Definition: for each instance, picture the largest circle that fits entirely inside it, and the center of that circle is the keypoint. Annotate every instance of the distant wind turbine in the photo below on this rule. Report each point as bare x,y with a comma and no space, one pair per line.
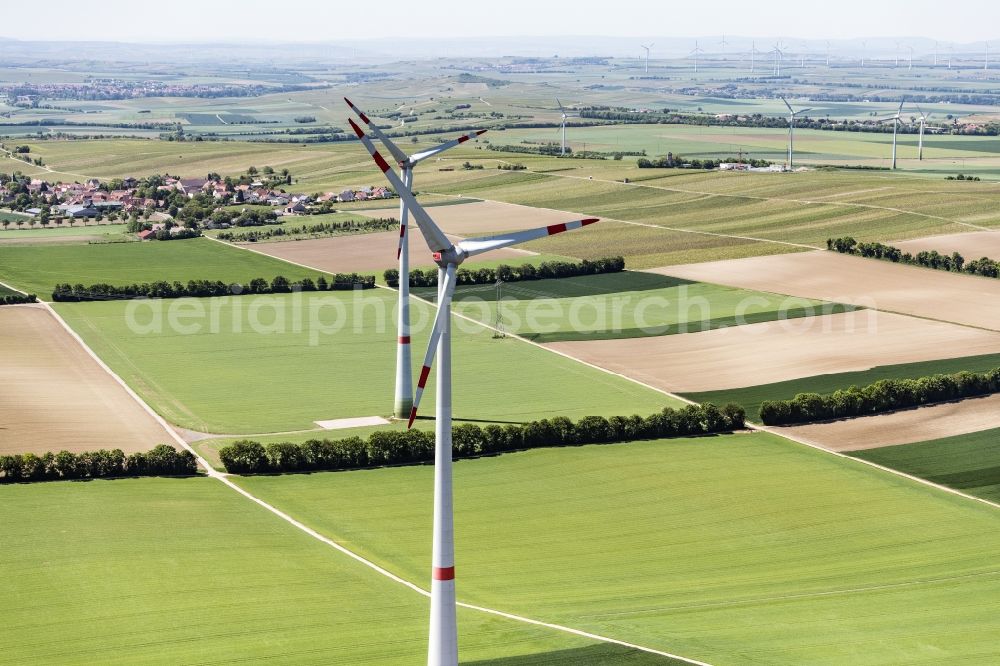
896,120
924,117
791,131
909,65
753,54
565,115
986,65
864,48
723,44
651,44
828,53
897,55
936,54
777,58
695,52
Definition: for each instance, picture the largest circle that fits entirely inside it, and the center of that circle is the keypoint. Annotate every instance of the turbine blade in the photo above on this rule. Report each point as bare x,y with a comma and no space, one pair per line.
559,104
788,105
474,246
803,110
448,288
418,157
436,240
393,149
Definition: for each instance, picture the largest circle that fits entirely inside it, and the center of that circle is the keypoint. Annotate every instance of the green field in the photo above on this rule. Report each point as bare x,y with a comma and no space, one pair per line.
629,304
38,268
169,571
752,396
70,233
739,549
970,463
280,362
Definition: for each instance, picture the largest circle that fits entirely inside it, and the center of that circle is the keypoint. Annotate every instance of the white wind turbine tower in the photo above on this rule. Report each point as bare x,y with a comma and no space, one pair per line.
695,52
936,45
828,53
864,49
443,635
651,44
753,55
909,62
564,116
791,131
403,400
723,44
777,59
896,120
986,65
924,117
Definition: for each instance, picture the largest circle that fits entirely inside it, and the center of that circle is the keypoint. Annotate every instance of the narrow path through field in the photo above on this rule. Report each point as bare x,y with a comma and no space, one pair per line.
220,119
224,479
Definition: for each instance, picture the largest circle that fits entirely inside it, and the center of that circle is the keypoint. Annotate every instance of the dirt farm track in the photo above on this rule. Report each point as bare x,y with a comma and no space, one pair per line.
54,396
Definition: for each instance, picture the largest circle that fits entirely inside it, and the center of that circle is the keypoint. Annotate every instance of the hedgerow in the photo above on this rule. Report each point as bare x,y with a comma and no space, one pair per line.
545,270
393,447
954,262
885,395
205,288
162,460
17,299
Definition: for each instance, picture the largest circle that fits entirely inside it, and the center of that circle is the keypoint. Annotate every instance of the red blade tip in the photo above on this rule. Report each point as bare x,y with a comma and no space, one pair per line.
590,220
481,132
354,126
413,415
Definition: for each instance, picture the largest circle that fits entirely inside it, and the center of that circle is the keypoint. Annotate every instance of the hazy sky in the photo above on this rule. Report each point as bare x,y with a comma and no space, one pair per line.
336,20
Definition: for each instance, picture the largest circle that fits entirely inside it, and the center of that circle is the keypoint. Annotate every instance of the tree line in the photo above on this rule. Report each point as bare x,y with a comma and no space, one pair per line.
672,161
544,271
17,299
885,395
162,460
395,447
322,228
953,262
66,292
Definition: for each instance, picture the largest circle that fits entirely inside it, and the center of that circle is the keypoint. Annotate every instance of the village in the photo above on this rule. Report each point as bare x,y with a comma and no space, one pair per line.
158,203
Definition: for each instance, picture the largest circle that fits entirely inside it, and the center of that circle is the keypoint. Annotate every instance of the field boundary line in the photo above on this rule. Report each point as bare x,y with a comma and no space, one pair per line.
224,478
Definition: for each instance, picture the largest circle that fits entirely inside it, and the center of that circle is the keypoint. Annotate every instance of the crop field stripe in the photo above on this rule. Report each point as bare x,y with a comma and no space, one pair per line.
675,396
222,477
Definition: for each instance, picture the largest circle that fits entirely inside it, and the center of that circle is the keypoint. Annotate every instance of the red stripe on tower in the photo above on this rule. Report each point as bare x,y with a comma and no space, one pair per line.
424,372
444,573
404,339
402,230
556,228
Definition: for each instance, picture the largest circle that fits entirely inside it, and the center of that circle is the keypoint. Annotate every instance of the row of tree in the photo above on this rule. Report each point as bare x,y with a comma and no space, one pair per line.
954,262
162,460
17,299
359,226
208,288
885,395
671,161
395,447
544,271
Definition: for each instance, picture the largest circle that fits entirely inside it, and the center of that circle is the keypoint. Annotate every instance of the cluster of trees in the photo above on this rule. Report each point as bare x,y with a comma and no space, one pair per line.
954,262
545,270
672,161
506,166
885,395
17,299
962,176
394,447
323,228
206,288
162,460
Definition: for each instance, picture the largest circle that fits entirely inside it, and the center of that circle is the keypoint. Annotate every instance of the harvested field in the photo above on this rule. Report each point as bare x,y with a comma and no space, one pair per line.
902,427
364,253
972,245
56,397
962,299
781,350
483,217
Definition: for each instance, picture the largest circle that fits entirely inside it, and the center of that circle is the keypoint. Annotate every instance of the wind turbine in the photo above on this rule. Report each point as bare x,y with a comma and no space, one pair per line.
909,65
651,44
924,117
896,66
724,44
777,59
695,53
936,54
565,115
986,65
896,120
753,54
403,400
791,130
864,49
828,53
443,635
